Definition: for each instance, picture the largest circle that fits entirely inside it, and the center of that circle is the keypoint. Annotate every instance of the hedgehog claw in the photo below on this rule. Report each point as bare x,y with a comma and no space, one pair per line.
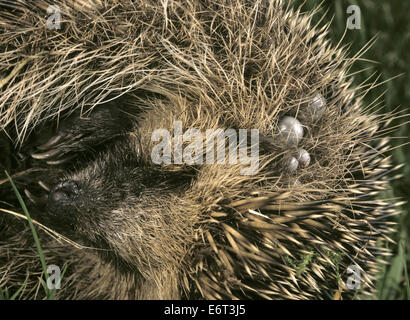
29,196
60,161
43,185
52,142
34,199
55,155
46,155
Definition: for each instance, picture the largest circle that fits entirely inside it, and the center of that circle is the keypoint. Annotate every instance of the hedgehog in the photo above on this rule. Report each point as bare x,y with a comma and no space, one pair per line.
85,87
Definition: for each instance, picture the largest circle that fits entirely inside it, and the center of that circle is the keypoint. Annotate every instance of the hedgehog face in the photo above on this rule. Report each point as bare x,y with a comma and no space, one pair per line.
118,203
87,196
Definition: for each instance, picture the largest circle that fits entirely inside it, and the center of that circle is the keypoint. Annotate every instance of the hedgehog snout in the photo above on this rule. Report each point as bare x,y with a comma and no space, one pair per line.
63,195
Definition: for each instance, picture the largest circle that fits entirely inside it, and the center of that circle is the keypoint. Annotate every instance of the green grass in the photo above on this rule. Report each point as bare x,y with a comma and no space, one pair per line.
4,292
389,20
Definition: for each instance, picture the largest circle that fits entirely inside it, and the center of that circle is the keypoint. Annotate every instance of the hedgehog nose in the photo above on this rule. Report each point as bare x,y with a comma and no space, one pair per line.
64,193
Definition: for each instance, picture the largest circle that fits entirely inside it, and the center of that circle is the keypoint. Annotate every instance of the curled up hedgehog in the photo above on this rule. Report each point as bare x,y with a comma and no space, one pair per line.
103,108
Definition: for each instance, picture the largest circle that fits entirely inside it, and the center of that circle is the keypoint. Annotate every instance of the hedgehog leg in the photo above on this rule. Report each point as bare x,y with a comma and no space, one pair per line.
79,135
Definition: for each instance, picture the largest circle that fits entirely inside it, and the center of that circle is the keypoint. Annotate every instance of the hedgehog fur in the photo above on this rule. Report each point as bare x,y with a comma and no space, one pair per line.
212,233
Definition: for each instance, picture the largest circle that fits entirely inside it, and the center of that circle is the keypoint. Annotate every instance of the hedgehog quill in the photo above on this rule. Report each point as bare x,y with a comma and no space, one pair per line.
79,105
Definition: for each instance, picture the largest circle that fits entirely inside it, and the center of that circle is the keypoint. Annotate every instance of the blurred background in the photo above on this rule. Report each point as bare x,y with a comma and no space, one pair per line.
389,21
